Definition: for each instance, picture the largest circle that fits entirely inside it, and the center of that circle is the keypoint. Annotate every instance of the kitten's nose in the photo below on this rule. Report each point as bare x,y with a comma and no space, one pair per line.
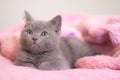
34,39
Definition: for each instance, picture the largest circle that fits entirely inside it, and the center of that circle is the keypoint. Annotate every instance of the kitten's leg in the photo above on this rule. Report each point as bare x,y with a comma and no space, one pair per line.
22,63
54,65
24,59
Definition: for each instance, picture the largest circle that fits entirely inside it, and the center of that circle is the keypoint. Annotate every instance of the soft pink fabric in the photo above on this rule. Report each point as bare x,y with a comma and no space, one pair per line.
99,62
94,30
11,30
103,32
9,46
114,33
11,72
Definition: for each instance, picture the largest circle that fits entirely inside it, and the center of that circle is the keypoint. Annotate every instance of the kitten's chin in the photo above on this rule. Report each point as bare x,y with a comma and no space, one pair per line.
34,48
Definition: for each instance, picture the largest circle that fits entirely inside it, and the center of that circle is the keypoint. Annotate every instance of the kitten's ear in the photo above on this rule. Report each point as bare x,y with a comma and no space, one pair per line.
28,17
57,22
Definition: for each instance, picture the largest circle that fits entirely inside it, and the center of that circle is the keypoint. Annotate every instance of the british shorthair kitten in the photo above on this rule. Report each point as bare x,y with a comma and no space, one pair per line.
43,48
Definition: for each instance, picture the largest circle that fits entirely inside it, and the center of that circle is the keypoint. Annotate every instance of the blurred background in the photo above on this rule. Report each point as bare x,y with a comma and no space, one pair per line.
12,11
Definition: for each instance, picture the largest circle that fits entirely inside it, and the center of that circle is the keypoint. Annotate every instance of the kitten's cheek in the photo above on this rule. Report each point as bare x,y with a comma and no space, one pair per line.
10,46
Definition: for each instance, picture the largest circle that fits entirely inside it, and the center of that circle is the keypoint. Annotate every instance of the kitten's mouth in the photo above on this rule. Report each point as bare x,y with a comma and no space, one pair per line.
34,42
34,45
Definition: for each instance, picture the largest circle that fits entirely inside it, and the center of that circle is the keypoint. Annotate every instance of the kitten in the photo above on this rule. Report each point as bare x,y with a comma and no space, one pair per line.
43,48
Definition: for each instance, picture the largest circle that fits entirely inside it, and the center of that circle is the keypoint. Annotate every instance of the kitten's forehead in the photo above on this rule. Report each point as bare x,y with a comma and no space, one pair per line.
39,25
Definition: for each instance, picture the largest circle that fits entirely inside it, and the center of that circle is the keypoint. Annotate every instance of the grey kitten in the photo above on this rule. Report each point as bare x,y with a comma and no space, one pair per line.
43,48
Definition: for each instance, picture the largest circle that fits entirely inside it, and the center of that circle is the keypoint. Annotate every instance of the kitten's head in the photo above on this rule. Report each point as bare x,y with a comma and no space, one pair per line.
39,36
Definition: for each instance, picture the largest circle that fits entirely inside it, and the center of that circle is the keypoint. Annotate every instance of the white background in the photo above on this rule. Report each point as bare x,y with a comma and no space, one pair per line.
12,11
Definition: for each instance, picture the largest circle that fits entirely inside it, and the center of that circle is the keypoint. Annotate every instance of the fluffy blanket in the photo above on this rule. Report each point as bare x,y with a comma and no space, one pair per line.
101,32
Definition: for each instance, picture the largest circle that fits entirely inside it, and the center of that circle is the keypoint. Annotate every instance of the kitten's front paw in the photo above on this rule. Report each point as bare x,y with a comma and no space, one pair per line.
53,66
46,66
19,63
43,66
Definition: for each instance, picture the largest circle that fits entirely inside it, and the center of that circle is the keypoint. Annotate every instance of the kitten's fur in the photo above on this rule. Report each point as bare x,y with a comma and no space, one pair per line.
43,48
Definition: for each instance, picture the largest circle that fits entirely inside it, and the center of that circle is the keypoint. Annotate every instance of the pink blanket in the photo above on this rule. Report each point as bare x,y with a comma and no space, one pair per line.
101,32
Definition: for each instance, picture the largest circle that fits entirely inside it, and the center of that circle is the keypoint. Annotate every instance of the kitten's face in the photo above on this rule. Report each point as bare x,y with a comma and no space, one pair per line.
39,36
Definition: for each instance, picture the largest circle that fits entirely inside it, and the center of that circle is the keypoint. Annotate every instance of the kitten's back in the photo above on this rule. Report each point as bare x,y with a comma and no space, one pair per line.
74,49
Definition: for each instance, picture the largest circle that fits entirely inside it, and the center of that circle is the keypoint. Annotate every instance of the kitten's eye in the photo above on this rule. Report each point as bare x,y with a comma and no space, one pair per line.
44,33
29,31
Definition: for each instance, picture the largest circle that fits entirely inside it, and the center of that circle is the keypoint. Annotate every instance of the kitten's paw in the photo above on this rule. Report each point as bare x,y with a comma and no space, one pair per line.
53,66
45,66
20,63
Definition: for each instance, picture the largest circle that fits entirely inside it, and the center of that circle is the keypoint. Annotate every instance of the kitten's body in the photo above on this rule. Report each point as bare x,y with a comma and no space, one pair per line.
42,47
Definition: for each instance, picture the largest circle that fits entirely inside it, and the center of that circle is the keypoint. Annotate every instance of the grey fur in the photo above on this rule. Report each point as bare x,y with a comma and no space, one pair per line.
43,48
